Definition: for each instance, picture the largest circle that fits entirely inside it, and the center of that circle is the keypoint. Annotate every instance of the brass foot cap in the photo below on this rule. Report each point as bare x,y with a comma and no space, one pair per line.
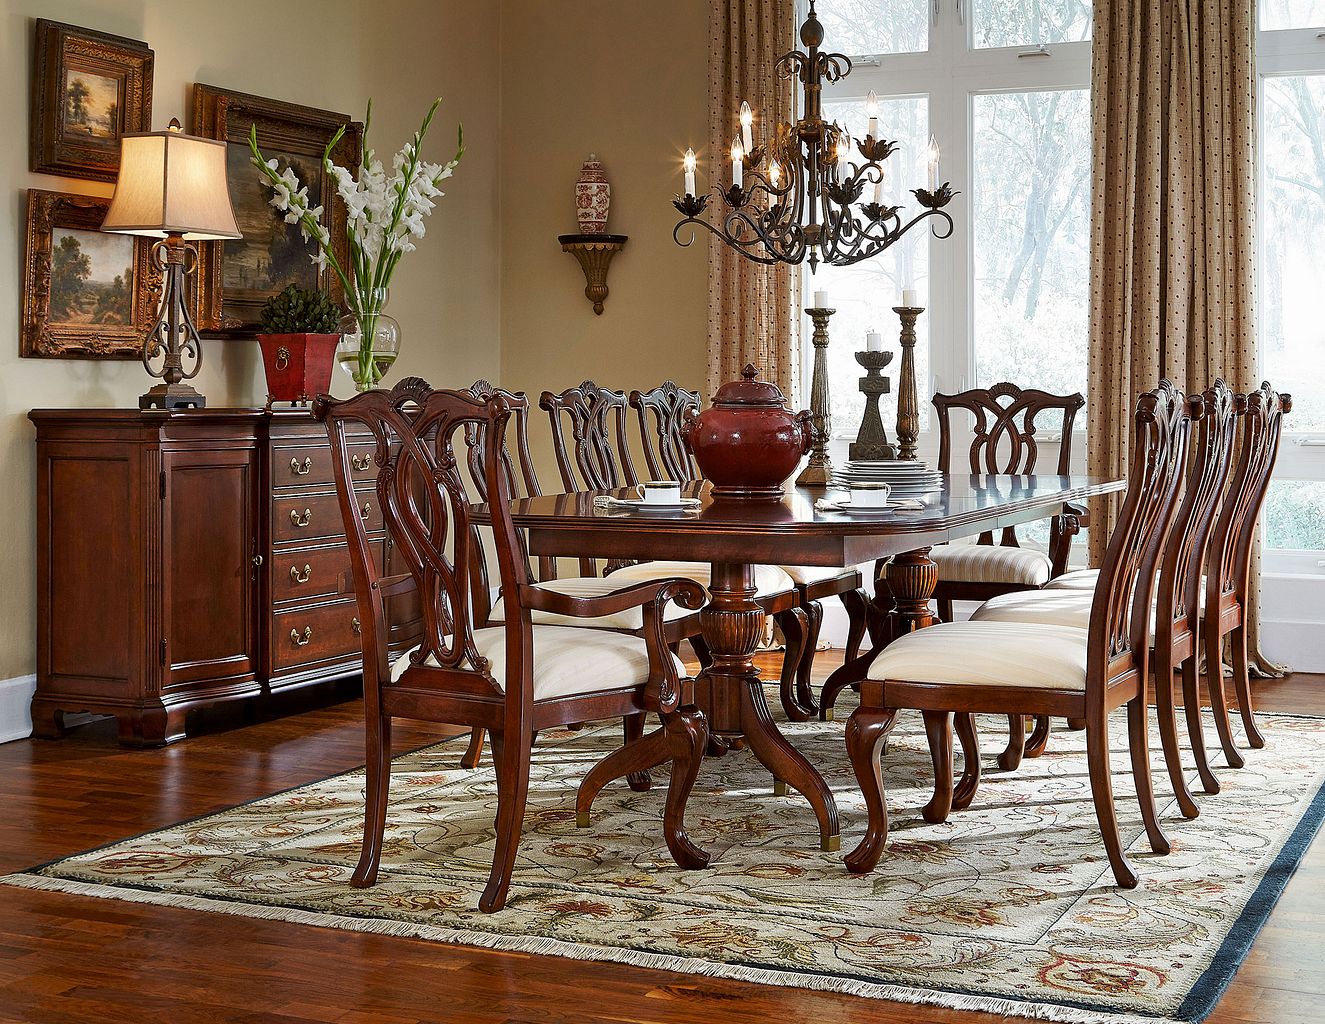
830,844
581,819
827,716
779,788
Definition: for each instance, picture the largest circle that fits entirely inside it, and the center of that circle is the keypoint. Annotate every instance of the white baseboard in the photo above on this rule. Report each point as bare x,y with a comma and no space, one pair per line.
16,707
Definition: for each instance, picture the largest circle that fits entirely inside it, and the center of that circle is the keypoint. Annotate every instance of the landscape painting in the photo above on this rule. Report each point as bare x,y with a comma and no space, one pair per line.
91,277
91,104
272,254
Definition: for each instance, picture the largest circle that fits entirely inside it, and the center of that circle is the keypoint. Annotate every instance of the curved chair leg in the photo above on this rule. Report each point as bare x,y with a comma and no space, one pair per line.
648,752
1237,641
1191,708
632,728
702,653
1101,791
1214,684
687,738
938,730
969,737
377,786
1168,731
866,730
814,616
856,602
793,623
1010,758
1076,724
512,794
945,608
473,754
1038,740
1138,743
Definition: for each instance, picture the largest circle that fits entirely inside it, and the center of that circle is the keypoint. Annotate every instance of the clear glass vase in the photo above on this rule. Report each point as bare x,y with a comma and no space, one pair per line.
369,343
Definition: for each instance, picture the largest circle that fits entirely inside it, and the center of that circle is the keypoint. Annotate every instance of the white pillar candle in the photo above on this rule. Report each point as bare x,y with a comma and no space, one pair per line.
747,119
690,172
821,299
874,342
738,160
909,298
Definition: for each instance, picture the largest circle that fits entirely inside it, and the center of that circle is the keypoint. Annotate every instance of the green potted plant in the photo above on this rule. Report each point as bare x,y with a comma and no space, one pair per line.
298,342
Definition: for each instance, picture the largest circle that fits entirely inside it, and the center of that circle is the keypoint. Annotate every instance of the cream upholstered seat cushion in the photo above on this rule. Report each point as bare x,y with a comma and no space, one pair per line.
769,579
1047,607
808,575
986,563
589,586
567,661
1078,579
988,654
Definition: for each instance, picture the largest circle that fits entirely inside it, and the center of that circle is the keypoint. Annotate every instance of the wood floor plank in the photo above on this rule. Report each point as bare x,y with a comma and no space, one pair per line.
71,959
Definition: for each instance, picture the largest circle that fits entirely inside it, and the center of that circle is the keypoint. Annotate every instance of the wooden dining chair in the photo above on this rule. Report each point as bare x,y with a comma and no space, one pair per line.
522,478
590,439
1228,565
1004,420
513,679
661,412
1179,596
1018,668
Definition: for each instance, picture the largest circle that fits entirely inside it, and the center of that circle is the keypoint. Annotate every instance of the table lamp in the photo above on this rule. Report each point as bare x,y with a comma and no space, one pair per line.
172,186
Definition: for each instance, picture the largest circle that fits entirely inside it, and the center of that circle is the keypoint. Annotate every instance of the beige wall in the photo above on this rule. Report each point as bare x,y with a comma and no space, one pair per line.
402,52
625,79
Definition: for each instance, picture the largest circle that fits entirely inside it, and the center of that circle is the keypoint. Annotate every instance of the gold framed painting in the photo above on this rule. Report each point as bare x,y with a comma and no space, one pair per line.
88,89
235,278
87,294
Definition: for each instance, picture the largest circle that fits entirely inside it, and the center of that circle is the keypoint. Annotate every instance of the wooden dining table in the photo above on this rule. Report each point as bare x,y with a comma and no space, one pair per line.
736,536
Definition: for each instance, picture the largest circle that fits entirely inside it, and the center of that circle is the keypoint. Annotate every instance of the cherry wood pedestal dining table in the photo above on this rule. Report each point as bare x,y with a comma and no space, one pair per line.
735,536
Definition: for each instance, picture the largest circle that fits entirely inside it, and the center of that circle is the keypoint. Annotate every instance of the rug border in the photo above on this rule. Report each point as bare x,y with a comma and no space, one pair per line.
1196,1006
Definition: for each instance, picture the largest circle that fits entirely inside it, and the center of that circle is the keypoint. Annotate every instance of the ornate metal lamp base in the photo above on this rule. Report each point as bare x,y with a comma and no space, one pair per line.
172,396
871,443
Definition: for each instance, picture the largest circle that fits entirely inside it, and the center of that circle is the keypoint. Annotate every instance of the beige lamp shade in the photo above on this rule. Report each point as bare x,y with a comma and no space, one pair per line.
171,183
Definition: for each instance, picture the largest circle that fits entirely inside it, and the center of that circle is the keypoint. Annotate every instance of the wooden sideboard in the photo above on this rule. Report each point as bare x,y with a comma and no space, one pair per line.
190,557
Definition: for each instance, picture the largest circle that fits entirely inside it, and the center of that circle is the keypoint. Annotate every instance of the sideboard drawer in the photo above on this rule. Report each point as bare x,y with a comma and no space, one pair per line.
324,632
302,466
313,573
310,517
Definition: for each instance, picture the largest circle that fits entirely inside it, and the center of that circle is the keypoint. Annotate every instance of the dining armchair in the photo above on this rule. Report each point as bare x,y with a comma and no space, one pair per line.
1004,419
1032,668
661,413
511,679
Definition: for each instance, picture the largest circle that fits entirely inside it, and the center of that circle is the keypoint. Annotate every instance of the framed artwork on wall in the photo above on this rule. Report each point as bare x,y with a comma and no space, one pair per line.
87,294
236,278
88,89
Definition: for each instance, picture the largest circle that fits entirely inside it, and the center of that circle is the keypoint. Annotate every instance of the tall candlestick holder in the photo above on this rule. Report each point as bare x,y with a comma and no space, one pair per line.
908,404
871,443
819,470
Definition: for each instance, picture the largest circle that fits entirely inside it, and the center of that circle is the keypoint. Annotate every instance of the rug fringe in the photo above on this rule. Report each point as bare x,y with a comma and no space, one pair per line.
544,946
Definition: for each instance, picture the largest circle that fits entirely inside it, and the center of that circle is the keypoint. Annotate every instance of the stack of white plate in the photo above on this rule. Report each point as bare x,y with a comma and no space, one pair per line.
908,479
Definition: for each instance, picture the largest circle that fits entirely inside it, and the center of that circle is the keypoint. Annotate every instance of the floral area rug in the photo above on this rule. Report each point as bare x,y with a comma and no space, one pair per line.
1009,907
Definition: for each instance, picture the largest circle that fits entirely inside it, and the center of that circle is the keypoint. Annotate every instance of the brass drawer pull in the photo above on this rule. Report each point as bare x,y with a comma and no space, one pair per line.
301,521
366,510
301,470
357,626
298,577
301,640
360,462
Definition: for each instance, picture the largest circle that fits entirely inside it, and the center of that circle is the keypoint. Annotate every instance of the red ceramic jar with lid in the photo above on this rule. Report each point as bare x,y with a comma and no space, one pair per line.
748,441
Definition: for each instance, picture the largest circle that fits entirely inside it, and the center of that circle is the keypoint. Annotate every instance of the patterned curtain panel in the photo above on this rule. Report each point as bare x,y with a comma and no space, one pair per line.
1173,92
750,305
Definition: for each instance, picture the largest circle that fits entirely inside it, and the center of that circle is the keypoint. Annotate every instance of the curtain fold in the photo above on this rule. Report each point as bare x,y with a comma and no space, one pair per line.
1173,243
750,306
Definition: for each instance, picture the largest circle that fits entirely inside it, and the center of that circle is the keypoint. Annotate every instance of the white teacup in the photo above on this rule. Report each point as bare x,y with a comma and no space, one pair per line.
870,494
659,492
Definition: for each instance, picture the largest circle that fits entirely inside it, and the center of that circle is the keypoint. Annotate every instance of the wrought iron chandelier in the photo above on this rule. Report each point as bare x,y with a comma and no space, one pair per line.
797,197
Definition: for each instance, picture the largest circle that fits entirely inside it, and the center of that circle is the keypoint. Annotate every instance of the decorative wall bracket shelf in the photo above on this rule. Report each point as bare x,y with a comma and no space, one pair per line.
595,254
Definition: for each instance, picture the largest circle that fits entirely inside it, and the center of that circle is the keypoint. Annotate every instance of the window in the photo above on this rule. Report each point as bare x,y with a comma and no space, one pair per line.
1289,14
1006,295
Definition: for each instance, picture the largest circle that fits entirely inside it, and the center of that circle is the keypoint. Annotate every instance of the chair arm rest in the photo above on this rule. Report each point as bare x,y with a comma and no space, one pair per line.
685,592
1077,511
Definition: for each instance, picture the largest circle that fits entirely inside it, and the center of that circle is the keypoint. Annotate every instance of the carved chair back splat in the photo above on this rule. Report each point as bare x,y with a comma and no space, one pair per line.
661,412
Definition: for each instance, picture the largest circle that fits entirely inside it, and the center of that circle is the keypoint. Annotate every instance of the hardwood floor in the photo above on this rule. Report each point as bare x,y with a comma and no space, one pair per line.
71,959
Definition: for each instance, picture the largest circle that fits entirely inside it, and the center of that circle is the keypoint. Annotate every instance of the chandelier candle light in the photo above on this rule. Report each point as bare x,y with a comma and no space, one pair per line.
385,213
796,196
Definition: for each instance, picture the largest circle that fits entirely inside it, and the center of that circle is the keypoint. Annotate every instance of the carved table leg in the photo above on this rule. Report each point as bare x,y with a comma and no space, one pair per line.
912,578
732,697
